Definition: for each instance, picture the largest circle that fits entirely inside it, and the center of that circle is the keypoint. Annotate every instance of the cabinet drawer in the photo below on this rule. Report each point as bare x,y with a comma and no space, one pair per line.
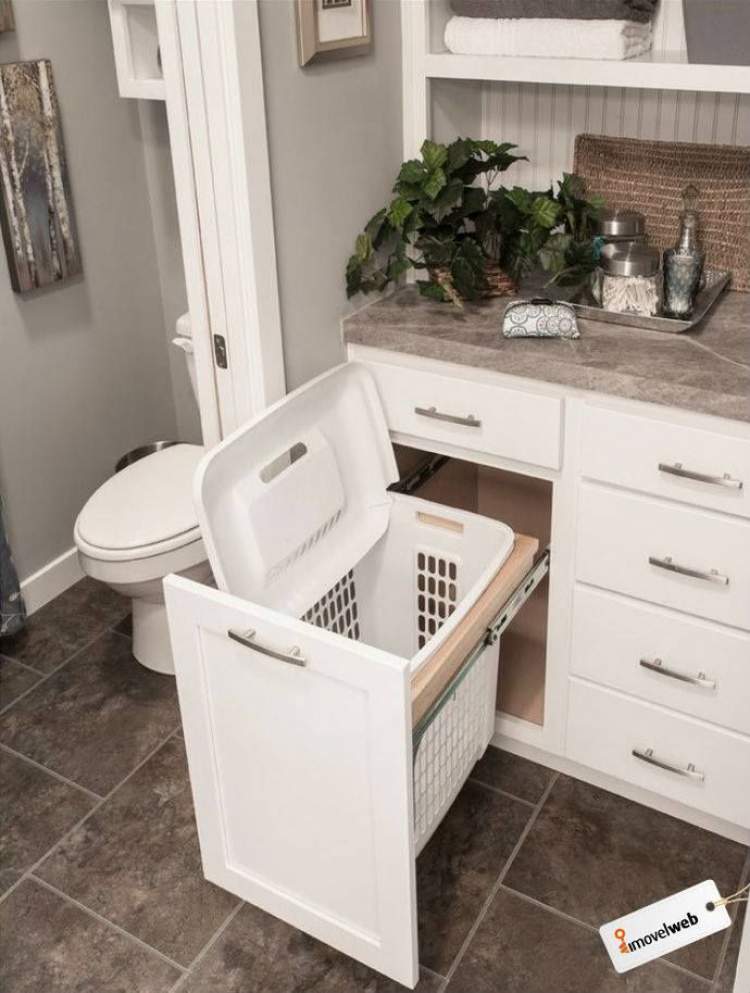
704,671
509,423
665,459
708,767
644,547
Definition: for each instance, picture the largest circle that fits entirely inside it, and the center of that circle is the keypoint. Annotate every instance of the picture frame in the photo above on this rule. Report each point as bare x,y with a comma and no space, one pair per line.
329,29
7,18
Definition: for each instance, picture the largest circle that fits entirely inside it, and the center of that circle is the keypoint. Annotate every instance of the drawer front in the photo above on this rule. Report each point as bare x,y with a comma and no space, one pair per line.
704,669
669,460
709,769
643,547
512,424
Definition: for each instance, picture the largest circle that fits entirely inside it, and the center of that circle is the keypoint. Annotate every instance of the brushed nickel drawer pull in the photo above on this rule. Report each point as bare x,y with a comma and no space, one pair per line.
709,577
677,469
470,421
689,771
656,665
247,638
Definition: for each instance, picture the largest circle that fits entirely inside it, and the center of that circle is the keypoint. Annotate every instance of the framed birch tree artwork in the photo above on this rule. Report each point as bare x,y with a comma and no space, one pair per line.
36,209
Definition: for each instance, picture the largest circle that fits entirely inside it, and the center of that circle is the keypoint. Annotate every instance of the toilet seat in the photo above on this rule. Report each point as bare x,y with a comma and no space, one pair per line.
145,511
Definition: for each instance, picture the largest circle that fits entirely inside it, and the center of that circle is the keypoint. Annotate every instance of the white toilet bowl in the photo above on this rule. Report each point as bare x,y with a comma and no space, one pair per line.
139,527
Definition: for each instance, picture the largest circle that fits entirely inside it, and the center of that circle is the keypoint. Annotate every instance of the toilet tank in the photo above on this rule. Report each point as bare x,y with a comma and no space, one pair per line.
184,340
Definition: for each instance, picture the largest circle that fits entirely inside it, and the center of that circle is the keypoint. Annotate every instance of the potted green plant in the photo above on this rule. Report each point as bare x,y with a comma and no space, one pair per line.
431,225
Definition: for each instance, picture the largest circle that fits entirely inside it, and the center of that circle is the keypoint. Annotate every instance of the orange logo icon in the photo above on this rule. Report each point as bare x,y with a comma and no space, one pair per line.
620,935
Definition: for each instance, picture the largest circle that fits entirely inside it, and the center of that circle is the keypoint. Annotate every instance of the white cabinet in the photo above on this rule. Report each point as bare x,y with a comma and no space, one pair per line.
675,461
301,774
682,662
671,755
445,408
665,553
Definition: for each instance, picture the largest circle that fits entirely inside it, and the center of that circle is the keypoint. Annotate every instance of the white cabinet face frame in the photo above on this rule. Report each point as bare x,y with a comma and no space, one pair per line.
224,204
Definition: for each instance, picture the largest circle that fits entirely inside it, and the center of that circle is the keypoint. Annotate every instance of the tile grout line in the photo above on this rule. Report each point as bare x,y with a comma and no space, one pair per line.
499,792
591,928
51,772
49,675
103,920
498,882
744,879
24,665
120,634
207,948
97,806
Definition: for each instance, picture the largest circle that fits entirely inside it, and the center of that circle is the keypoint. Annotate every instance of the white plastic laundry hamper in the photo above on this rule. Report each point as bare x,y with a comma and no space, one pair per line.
295,677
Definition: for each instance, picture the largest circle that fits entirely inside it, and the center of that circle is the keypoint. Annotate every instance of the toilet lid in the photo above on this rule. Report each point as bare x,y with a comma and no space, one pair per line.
145,504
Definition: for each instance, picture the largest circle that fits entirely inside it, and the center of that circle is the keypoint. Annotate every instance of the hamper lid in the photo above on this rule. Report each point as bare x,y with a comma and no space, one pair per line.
291,501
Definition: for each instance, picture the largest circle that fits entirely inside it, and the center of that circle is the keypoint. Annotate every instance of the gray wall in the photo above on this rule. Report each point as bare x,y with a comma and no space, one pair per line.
84,372
335,140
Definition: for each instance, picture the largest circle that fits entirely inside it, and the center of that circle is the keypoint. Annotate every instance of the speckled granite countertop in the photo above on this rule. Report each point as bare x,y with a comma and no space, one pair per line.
706,370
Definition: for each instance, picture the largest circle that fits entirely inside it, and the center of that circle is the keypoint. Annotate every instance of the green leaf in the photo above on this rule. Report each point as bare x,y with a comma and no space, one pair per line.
449,197
398,211
363,247
435,183
431,290
397,266
353,276
545,212
376,228
412,172
474,200
458,154
434,155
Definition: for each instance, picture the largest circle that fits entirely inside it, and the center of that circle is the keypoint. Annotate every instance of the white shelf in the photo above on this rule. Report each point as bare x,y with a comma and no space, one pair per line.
135,40
656,71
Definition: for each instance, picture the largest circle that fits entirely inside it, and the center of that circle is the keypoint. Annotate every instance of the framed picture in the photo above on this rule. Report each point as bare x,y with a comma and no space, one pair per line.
36,209
332,29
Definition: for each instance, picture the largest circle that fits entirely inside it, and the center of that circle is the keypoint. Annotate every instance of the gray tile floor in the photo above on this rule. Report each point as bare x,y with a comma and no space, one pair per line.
100,882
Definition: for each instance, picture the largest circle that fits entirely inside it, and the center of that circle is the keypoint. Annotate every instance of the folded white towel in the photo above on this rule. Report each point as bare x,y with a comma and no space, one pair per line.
548,38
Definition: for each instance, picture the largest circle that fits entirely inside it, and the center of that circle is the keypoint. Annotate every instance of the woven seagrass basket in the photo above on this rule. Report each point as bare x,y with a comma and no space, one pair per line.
650,176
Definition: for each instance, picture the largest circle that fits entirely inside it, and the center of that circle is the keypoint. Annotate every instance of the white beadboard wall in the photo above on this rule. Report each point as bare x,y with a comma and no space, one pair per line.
544,120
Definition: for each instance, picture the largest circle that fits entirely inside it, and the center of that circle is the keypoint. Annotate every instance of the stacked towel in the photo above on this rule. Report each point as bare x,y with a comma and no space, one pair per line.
551,37
580,10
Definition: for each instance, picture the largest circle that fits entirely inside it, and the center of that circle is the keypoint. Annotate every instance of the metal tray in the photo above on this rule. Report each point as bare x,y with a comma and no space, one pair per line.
715,282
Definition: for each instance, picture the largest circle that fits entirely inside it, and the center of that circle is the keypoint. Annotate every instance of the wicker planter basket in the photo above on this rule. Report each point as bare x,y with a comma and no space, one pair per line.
499,283
650,176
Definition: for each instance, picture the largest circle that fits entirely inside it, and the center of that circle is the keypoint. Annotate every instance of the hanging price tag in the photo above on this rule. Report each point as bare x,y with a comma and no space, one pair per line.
665,926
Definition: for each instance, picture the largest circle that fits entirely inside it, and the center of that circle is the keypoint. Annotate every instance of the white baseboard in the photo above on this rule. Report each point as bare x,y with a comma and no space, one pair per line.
51,580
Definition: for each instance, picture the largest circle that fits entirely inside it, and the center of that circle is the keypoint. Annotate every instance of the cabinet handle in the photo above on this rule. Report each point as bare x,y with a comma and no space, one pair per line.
658,666
689,771
470,421
247,638
709,577
677,469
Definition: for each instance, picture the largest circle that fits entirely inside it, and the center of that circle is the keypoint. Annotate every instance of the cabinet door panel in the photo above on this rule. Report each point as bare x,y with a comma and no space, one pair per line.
301,770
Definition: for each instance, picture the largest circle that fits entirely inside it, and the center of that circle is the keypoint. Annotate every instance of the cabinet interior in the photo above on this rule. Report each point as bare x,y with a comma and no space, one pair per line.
525,504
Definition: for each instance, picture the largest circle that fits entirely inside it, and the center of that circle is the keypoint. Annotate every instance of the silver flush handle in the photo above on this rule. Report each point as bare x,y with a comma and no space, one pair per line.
656,665
678,469
669,565
470,421
689,771
247,638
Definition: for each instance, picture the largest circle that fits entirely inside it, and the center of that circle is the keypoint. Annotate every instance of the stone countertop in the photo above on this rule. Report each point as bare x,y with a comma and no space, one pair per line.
706,370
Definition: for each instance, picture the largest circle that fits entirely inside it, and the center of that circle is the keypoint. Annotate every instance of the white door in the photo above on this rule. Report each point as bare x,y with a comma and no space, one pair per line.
300,755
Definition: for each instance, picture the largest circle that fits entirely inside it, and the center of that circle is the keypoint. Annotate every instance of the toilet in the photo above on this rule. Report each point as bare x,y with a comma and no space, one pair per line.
140,526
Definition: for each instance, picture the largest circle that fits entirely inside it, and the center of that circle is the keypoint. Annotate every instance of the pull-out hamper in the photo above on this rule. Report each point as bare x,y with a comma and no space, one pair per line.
296,677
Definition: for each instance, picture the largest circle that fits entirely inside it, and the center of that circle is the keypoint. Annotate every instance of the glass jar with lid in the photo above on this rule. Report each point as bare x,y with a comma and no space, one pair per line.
629,280
621,227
